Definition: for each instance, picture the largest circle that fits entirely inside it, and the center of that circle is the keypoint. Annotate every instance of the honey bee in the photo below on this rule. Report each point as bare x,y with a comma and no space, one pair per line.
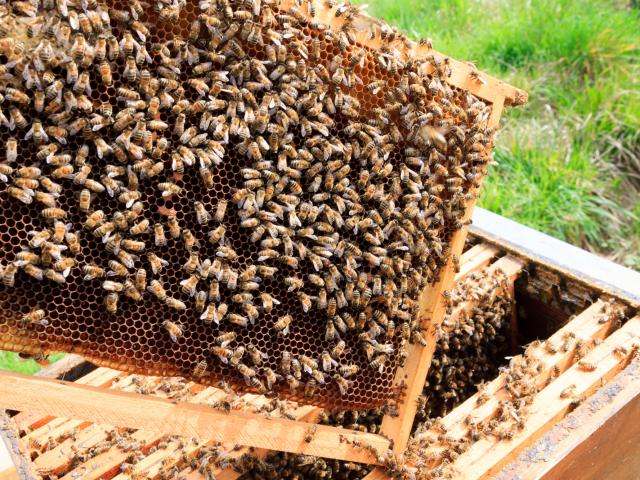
174,330
53,213
257,357
193,262
11,154
23,195
175,304
271,377
64,265
168,189
237,319
111,302
245,371
567,392
310,388
294,283
139,228
189,285
221,209
305,301
587,366
157,263
621,351
104,69
174,227
338,349
283,324
348,370
200,368
156,288
343,384
34,317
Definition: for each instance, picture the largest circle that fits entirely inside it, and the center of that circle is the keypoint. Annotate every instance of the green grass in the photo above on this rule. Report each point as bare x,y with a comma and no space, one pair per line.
11,361
569,160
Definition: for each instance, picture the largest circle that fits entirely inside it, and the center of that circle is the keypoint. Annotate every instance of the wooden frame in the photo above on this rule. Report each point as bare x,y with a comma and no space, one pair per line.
90,403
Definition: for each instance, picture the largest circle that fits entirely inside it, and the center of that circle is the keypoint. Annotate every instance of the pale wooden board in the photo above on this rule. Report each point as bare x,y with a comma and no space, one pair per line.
474,259
580,445
123,409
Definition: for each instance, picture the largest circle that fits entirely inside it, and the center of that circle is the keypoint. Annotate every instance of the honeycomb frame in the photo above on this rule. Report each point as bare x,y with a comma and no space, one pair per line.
133,343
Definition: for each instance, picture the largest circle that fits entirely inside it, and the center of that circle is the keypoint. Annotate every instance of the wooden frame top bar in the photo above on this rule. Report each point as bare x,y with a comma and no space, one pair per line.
463,74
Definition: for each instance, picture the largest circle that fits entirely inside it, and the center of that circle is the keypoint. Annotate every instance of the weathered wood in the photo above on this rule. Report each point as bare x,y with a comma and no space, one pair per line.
486,456
123,409
10,436
581,445
571,262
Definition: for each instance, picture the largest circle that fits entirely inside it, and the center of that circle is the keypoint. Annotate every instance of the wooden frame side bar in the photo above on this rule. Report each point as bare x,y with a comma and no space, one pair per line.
123,409
431,312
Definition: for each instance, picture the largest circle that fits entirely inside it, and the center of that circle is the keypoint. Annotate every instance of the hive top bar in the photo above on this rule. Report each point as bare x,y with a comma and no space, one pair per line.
246,192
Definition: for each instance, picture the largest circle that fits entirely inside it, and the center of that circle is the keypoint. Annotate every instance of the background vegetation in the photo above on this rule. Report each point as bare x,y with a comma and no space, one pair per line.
569,161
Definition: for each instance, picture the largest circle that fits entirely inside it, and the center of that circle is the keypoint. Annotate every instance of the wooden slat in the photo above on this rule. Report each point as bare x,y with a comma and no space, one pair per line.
305,413
485,457
474,259
57,428
150,465
29,420
108,463
163,459
57,460
510,266
124,409
587,325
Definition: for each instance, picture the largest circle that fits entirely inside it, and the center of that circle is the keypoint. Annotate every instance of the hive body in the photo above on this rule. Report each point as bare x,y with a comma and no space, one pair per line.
345,172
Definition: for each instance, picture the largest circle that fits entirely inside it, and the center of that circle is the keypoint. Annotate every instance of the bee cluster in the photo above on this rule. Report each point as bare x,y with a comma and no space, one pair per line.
252,194
470,347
